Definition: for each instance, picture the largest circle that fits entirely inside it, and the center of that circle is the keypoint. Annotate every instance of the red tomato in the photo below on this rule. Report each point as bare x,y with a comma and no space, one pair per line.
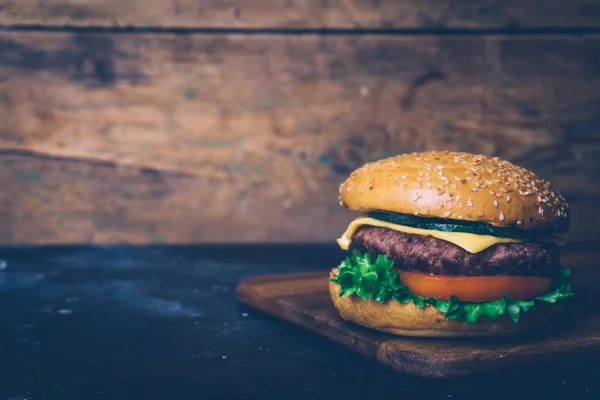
476,288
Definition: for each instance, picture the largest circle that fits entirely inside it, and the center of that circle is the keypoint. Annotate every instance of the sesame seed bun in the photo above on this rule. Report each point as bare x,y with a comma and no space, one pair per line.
410,320
457,186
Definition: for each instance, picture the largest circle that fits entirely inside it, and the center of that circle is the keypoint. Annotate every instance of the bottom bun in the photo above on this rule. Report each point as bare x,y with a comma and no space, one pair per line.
410,320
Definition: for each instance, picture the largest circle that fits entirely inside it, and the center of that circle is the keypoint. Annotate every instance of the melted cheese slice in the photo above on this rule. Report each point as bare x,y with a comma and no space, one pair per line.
469,241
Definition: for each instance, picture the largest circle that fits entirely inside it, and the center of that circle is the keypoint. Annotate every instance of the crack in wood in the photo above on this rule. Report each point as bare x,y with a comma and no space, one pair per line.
92,161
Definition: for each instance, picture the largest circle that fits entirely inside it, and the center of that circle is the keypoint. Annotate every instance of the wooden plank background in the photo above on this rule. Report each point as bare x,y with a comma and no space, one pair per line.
370,14
186,137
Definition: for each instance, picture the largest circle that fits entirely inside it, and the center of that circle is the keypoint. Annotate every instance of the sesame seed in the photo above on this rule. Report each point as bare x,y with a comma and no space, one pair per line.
453,186
441,191
456,178
457,198
508,199
540,199
492,192
480,214
519,222
429,184
474,189
403,176
447,213
397,183
496,203
419,185
416,197
501,216
541,211
362,190
499,195
460,217
341,203
404,187
503,190
444,178
470,203
416,212
440,203
370,186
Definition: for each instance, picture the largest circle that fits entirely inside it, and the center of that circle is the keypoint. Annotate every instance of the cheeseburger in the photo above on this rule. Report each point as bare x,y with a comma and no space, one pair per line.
450,244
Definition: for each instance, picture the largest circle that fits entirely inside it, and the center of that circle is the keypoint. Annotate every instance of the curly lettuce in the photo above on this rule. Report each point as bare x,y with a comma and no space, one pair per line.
365,277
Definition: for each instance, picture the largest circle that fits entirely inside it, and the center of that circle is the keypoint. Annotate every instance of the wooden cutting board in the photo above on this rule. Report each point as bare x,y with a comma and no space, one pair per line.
303,299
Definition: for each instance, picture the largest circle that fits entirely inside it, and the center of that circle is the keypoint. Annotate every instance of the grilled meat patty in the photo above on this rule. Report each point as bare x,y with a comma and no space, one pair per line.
428,254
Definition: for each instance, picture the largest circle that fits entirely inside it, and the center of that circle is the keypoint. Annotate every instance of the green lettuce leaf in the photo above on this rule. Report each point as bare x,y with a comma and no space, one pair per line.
366,285
381,293
362,276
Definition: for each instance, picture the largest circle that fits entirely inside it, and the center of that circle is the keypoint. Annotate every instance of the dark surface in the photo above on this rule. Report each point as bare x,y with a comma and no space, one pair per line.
439,257
163,323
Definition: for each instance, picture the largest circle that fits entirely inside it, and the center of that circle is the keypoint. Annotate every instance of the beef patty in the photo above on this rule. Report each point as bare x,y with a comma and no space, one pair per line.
431,255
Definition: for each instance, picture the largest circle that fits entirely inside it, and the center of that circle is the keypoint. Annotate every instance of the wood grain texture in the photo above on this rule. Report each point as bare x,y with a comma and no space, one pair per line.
279,295
224,138
375,14
302,299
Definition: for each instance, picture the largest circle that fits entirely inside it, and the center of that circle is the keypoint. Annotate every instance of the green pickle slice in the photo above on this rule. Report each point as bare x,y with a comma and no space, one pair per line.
450,225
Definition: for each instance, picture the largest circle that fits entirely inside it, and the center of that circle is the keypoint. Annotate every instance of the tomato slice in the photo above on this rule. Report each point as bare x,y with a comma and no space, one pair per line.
475,288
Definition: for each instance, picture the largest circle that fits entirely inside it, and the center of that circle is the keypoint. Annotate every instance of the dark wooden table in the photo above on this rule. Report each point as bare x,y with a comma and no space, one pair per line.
163,323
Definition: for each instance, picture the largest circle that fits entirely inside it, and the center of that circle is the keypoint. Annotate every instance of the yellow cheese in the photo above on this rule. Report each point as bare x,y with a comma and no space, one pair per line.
469,241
